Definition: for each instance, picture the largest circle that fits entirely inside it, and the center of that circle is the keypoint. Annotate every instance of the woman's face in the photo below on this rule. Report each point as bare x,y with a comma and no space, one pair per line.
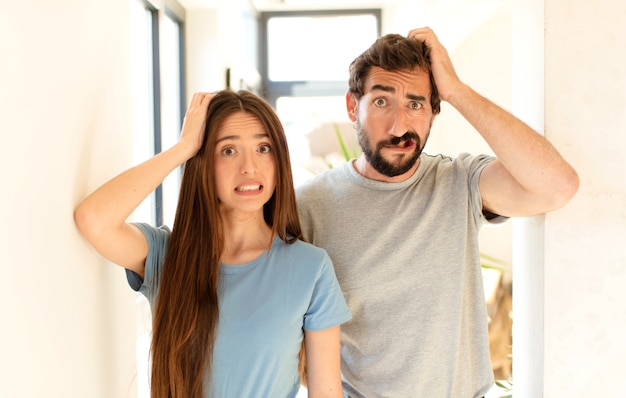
245,169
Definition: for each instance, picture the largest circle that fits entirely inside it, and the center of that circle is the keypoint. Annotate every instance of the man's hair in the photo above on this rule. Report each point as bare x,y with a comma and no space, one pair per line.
393,52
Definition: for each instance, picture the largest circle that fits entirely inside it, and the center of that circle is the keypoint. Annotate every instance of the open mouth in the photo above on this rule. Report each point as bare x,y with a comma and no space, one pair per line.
406,144
249,188
401,144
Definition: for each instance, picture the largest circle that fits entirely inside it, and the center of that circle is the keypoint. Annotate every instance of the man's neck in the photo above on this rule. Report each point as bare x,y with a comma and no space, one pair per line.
364,168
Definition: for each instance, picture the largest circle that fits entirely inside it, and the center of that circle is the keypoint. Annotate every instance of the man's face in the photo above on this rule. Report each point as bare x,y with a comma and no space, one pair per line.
393,120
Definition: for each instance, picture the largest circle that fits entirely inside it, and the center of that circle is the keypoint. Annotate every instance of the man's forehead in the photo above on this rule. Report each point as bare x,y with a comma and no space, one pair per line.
379,79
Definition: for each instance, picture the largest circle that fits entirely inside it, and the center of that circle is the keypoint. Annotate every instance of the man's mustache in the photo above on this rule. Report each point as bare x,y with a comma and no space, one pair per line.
409,135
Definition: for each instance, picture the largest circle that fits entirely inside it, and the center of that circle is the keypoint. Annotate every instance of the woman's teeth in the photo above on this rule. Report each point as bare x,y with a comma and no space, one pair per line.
246,188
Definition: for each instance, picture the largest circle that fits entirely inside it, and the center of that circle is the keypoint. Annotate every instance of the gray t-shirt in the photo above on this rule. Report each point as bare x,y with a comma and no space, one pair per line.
406,256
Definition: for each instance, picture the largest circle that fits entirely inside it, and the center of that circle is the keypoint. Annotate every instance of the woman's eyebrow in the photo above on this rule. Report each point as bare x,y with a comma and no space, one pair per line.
237,137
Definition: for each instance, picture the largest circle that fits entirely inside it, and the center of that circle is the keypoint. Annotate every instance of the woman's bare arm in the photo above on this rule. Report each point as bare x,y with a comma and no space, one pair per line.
323,363
101,216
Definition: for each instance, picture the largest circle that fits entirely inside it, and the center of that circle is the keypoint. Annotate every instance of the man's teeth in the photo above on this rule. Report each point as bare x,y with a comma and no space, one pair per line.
249,188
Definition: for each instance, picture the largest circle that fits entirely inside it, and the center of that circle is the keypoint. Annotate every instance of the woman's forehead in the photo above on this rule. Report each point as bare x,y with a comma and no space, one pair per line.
239,124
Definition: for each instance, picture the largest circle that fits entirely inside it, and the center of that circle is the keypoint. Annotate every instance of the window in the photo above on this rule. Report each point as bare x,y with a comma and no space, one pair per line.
143,109
296,56
158,98
158,110
172,107
304,66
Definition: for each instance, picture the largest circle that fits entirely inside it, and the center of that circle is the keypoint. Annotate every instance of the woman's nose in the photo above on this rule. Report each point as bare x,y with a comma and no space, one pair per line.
248,163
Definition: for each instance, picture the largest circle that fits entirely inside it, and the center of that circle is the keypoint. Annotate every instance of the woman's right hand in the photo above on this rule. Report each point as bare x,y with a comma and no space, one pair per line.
194,124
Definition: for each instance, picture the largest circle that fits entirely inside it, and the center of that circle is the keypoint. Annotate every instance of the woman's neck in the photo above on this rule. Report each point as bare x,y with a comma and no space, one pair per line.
245,239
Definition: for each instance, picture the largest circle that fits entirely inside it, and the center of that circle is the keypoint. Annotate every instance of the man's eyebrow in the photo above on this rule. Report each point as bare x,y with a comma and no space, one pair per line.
237,137
390,89
415,97
381,87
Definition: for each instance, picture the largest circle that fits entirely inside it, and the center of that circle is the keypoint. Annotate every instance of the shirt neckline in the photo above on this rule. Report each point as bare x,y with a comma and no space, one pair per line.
239,268
355,176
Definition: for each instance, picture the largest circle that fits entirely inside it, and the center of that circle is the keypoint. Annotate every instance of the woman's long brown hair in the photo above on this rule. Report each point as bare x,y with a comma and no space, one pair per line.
187,308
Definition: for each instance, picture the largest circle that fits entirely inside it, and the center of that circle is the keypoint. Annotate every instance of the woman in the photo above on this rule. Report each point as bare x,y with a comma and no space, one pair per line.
233,286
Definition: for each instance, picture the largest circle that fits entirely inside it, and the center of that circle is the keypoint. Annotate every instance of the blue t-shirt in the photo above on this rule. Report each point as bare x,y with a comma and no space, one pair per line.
264,307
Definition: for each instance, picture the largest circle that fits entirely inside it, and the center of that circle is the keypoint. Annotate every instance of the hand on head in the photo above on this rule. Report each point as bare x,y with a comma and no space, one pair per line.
194,125
443,71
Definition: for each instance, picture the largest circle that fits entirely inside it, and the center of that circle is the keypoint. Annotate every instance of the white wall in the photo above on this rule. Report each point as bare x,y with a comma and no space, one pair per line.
219,37
67,316
585,272
205,69
68,323
575,335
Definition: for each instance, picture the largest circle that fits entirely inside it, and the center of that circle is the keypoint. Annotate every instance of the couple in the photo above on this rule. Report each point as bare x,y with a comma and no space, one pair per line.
237,295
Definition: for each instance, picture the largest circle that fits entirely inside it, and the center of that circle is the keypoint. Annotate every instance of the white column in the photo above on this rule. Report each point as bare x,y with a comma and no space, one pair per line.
528,233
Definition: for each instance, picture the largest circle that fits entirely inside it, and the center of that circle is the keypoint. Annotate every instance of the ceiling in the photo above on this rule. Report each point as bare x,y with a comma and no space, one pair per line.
277,4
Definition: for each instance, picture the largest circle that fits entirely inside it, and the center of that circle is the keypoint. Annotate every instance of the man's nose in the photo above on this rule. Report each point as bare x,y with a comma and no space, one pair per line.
398,125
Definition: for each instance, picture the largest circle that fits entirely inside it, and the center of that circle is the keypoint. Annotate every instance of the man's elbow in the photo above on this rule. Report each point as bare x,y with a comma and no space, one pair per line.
565,189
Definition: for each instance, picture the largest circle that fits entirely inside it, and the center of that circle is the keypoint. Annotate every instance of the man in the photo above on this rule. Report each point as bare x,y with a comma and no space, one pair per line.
402,226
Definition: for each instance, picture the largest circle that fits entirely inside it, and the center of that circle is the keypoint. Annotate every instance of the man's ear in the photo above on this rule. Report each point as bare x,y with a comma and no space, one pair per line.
351,105
432,119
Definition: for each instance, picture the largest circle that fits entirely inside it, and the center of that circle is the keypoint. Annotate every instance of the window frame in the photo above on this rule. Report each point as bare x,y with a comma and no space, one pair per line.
272,90
176,14
173,10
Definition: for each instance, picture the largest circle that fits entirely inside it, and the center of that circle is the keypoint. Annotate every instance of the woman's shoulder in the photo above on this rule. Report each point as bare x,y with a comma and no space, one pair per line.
306,247
301,246
302,252
150,231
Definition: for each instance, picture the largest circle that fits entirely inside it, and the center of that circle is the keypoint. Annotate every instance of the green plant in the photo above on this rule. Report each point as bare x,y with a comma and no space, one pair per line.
490,262
347,152
507,388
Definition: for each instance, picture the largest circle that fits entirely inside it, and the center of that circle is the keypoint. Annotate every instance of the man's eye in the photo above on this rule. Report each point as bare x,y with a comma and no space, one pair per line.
265,148
416,105
380,102
228,151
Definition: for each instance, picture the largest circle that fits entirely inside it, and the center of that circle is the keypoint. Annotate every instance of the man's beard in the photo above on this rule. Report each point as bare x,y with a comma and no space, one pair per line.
375,158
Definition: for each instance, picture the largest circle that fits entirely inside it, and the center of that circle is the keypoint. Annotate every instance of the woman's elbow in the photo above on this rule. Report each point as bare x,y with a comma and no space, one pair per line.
86,220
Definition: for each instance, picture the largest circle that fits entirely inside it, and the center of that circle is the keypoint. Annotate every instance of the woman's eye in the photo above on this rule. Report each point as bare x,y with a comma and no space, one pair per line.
228,151
380,102
265,148
416,105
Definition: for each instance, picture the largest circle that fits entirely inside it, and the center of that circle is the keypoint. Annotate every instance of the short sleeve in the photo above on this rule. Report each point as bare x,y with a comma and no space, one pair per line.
328,307
475,166
157,239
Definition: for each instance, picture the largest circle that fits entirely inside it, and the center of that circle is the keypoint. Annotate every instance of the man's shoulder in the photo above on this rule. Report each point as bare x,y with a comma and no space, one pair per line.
465,161
323,181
